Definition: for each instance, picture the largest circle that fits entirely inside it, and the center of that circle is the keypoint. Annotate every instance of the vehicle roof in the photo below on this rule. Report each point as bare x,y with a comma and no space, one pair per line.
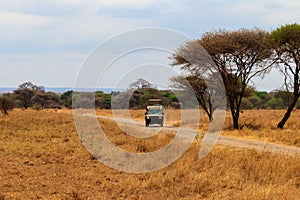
154,107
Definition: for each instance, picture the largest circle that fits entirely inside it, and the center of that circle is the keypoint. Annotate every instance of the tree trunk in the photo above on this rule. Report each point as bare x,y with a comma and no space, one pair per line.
211,117
235,112
235,120
5,112
288,113
235,117
209,114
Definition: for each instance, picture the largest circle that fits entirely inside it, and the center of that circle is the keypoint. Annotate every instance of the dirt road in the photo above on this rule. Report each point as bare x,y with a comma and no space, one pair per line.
223,140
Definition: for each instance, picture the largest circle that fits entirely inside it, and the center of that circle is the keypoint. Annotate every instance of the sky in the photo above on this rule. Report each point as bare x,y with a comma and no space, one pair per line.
47,41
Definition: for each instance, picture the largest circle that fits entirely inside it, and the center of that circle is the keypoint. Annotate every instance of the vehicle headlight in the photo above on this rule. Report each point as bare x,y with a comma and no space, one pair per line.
159,117
147,117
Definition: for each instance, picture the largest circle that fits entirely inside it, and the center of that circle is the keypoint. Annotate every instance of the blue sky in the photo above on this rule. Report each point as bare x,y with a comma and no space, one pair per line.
46,41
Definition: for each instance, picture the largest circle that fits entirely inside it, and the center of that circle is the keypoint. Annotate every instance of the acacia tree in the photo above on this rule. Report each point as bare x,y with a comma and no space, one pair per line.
31,86
140,84
286,43
238,56
25,92
24,97
200,88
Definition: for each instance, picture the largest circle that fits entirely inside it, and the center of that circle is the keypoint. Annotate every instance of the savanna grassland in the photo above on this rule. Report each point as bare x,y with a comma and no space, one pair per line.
42,157
255,124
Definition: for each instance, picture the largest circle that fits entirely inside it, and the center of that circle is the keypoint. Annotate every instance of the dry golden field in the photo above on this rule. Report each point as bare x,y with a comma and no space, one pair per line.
42,158
256,124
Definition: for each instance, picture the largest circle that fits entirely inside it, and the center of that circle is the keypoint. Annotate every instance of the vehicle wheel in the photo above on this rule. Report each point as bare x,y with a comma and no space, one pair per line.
147,122
162,122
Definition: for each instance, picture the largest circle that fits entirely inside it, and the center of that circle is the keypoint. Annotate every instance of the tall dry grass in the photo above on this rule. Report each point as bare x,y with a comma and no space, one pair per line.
43,158
262,125
255,124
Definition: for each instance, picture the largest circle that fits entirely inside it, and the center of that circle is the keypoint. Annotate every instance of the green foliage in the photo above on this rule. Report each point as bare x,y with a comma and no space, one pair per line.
287,35
286,96
106,101
103,100
274,103
278,99
252,102
138,98
261,94
66,99
170,96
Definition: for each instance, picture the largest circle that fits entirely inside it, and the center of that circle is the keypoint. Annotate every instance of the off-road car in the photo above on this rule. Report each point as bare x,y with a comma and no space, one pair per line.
154,113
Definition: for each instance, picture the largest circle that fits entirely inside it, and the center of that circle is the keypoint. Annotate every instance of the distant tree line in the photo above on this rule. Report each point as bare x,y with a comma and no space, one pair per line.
29,95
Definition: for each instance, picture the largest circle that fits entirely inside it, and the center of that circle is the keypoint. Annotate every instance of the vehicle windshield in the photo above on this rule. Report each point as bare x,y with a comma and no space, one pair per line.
154,112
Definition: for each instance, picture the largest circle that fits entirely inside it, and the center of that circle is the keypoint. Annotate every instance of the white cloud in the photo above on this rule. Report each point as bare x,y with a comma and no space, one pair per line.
16,19
262,14
127,3
108,3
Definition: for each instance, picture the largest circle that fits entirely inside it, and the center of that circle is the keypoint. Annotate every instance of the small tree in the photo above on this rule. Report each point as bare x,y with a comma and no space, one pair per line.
24,97
5,105
26,92
201,91
31,86
66,98
140,84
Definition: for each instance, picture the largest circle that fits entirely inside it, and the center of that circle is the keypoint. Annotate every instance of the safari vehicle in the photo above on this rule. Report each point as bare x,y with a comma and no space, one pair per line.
154,113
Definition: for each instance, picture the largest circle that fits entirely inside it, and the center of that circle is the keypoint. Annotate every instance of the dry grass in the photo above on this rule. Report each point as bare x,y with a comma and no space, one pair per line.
262,125
131,143
256,124
42,158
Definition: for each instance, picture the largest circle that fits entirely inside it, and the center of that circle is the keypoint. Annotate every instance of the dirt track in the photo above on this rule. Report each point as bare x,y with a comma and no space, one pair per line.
223,140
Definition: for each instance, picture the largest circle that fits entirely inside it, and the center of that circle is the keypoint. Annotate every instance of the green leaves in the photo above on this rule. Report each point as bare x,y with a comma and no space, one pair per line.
288,35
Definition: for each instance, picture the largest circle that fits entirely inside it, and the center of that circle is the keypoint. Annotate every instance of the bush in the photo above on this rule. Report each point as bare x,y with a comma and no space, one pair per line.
6,104
37,106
